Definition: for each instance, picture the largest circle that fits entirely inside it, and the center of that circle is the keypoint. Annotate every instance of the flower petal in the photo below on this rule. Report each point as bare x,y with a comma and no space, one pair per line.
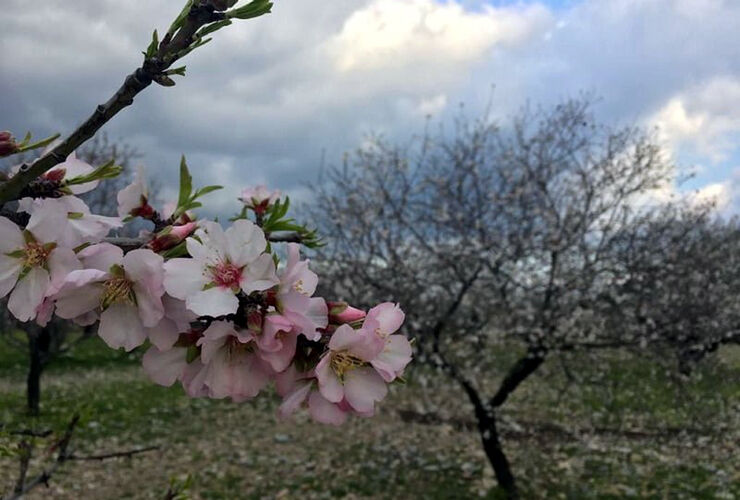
217,301
183,277
28,294
325,411
120,326
363,387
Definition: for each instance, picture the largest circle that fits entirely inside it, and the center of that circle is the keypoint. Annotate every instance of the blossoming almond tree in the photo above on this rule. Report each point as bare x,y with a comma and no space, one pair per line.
222,314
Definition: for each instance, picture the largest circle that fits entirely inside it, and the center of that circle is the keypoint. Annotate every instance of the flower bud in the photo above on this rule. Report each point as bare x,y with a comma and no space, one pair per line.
341,312
8,146
169,237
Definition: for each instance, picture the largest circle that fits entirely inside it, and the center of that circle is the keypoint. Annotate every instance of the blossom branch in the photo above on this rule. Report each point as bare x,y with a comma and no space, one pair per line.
154,69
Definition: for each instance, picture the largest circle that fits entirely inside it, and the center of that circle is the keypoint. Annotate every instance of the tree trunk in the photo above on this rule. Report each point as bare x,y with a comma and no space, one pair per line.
495,453
486,417
38,345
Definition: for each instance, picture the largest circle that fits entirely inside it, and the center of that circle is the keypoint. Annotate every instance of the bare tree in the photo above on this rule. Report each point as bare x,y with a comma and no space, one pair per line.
491,235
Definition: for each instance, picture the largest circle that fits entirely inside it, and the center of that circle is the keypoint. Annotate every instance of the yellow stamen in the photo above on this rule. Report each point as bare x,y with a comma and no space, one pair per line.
117,290
342,362
36,255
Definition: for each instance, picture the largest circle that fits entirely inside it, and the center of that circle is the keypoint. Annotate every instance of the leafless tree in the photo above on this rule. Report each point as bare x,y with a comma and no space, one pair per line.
499,234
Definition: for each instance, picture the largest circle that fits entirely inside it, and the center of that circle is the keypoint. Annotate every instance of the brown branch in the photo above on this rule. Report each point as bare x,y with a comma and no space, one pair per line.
140,79
117,454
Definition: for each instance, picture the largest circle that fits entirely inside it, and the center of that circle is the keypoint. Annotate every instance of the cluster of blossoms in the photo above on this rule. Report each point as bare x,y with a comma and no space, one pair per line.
221,314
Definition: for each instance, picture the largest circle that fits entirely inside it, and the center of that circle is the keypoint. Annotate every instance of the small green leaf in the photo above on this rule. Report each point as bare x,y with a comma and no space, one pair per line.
211,28
192,354
255,8
186,183
177,23
151,51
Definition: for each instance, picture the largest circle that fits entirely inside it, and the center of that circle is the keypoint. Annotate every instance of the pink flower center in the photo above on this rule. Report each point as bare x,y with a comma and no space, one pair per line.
227,275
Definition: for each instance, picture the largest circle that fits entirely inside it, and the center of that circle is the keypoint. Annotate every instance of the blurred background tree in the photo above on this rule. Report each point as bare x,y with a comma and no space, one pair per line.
554,233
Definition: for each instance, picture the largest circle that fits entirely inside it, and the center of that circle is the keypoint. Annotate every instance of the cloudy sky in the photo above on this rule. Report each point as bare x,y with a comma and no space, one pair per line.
269,98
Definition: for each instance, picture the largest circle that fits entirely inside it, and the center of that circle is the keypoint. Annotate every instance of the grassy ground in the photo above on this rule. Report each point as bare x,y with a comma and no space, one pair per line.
632,430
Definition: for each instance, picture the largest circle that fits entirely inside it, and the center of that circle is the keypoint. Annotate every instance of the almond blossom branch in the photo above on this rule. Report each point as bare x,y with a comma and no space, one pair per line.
174,46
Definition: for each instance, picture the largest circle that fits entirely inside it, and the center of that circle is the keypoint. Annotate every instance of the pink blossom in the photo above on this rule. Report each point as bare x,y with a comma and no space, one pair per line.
277,341
223,263
171,236
345,372
68,219
133,199
31,267
125,290
231,367
73,167
298,388
294,301
341,312
384,320
259,198
165,367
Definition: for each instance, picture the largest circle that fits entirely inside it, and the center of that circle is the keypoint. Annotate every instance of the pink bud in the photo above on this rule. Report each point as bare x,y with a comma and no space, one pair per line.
341,312
168,238
8,145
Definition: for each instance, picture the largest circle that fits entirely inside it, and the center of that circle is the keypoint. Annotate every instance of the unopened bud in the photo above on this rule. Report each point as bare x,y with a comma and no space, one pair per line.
341,312
169,237
8,146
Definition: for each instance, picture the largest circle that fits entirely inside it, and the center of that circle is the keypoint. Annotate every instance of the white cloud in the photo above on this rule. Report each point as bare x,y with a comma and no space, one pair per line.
392,33
703,118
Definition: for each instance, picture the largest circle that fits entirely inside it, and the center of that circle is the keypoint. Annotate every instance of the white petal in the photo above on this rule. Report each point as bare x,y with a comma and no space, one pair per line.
259,275
120,326
245,241
215,302
10,269
28,294
183,277
101,256
11,238
165,367
363,387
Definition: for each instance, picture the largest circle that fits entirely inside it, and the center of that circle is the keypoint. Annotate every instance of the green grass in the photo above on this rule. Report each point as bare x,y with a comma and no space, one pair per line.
616,435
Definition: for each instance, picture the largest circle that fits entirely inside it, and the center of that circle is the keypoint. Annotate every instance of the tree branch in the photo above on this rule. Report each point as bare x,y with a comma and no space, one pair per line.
140,79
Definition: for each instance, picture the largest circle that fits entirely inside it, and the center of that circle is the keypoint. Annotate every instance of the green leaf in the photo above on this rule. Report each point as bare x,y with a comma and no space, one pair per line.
192,354
24,146
177,23
205,190
176,71
255,8
186,183
151,51
211,28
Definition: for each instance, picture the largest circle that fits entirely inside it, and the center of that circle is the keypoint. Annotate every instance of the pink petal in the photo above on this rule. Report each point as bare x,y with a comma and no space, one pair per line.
389,316
294,400
329,384
395,356
164,334
363,387
101,256
28,294
165,367
120,326
62,261
324,411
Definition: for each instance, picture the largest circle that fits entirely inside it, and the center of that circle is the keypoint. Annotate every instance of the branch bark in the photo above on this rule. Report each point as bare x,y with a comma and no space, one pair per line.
133,84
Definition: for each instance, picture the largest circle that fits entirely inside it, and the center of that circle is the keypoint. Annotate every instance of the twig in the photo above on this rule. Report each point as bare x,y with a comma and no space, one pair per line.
117,454
134,83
